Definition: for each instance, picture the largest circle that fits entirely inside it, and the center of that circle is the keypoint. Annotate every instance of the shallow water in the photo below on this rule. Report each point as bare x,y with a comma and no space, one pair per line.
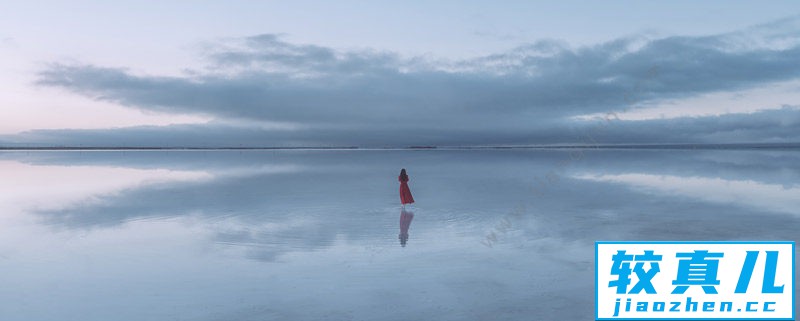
309,235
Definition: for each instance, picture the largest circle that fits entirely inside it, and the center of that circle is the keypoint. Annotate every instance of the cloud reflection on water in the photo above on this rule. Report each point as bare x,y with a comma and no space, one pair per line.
326,223
299,201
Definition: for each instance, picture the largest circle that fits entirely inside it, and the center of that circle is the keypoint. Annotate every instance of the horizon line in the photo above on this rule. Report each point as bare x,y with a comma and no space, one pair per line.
795,145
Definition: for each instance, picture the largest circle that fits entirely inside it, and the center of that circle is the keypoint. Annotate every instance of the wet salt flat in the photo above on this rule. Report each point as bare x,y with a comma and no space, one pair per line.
316,235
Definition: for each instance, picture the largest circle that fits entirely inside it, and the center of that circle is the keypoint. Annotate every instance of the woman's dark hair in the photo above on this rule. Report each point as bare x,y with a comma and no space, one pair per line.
403,174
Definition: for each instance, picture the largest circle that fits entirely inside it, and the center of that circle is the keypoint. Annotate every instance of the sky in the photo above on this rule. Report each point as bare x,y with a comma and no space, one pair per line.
390,74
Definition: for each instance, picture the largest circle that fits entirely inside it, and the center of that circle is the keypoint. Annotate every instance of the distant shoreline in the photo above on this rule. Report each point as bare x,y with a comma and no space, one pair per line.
557,146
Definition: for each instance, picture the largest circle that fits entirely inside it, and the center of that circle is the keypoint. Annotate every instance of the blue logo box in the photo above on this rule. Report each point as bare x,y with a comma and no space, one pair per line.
694,280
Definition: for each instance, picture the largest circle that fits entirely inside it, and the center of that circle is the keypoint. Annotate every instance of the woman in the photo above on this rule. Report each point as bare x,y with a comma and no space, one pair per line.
405,192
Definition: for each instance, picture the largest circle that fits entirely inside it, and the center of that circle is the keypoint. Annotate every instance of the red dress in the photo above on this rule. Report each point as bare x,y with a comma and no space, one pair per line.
405,192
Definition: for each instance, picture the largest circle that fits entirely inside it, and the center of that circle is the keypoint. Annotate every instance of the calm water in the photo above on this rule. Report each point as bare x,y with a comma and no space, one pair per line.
310,235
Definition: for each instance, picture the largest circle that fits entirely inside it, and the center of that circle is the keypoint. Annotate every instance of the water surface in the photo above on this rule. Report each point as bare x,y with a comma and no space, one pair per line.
310,235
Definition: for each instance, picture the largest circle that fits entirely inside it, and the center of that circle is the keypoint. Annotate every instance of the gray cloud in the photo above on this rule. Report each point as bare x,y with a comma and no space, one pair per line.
7,42
768,126
519,96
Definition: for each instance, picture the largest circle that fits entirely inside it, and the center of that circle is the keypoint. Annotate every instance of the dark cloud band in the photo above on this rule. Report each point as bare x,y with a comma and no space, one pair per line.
525,95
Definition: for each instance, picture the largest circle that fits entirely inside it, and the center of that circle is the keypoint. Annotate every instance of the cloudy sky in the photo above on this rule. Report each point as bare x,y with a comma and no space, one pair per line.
389,74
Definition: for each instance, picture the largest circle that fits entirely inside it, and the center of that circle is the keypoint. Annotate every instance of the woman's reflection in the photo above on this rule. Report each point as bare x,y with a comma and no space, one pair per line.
405,222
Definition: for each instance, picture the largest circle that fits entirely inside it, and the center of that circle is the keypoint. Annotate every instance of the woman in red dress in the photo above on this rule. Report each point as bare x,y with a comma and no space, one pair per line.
405,192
